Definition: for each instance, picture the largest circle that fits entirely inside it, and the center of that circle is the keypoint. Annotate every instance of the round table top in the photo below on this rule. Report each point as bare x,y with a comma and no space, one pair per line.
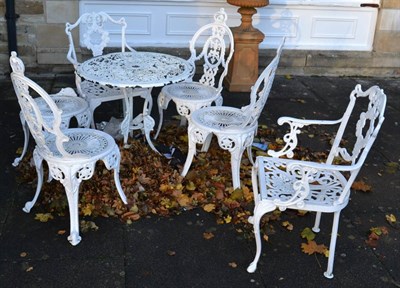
135,69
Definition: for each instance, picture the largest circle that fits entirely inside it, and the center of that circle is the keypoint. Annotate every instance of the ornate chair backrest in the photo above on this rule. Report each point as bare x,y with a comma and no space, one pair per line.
16,64
367,126
261,89
40,129
218,43
95,37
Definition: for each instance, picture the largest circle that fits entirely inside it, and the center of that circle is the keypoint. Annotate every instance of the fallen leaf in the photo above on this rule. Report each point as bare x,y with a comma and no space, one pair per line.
208,235
233,264
308,234
88,225
183,200
209,207
392,167
88,209
61,232
361,186
237,194
287,225
23,254
228,219
391,218
312,247
191,186
171,253
29,269
43,217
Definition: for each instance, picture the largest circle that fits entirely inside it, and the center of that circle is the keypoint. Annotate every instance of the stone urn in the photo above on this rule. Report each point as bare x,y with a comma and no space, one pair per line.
243,68
247,10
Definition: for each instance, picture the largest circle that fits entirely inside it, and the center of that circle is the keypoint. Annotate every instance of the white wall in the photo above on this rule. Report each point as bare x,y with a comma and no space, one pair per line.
307,24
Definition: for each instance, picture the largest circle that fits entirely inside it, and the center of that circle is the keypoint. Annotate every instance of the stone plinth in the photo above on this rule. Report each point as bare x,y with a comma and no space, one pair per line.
243,68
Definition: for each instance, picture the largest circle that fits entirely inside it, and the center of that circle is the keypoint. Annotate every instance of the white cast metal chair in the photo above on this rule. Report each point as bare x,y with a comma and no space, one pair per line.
216,53
66,100
235,128
320,187
71,154
96,38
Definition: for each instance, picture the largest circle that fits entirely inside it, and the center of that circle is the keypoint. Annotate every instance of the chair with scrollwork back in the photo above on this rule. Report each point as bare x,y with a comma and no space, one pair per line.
234,127
215,54
95,37
285,183
66,99
70,153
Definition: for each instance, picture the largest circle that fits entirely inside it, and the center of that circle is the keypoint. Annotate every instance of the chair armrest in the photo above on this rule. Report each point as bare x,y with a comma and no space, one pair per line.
323,166
291,138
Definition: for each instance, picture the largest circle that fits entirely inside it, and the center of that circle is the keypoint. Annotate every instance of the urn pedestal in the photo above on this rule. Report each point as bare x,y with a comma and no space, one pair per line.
243,67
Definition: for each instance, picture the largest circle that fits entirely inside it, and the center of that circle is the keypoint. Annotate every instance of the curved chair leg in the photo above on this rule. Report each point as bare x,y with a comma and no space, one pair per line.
189,158
259,211
207,142
119,187
250,154
112,161
39,170
236,157
193,135
26,140
71,185
93,104
328,273
317,222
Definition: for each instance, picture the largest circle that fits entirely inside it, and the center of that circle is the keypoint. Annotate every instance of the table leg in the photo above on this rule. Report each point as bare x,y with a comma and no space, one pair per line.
148,121
125,125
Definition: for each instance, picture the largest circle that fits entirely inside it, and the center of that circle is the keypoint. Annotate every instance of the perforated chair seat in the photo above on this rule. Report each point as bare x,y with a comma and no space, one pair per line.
277,186
220,119
82,144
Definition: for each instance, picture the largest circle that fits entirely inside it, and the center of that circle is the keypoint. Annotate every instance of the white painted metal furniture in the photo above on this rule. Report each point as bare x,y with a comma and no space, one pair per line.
96,38
216,53
129,71
66,100
71,154
235,128
320,187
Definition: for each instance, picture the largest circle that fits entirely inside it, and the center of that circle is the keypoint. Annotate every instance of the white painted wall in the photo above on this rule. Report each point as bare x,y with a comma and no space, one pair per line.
307,24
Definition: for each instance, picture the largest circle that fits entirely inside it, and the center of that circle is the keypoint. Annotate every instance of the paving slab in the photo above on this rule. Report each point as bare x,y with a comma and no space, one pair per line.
173,252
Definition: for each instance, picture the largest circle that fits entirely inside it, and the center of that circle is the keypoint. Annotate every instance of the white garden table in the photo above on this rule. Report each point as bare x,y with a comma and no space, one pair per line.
135,72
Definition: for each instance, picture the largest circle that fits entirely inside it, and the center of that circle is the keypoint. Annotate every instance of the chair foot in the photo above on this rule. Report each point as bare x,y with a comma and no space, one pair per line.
252,267
328,275
315,229
28,206
16,161
251,219
74,238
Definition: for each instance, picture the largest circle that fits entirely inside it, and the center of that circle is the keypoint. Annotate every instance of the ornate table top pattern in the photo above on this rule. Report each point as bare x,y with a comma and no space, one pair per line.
135,69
